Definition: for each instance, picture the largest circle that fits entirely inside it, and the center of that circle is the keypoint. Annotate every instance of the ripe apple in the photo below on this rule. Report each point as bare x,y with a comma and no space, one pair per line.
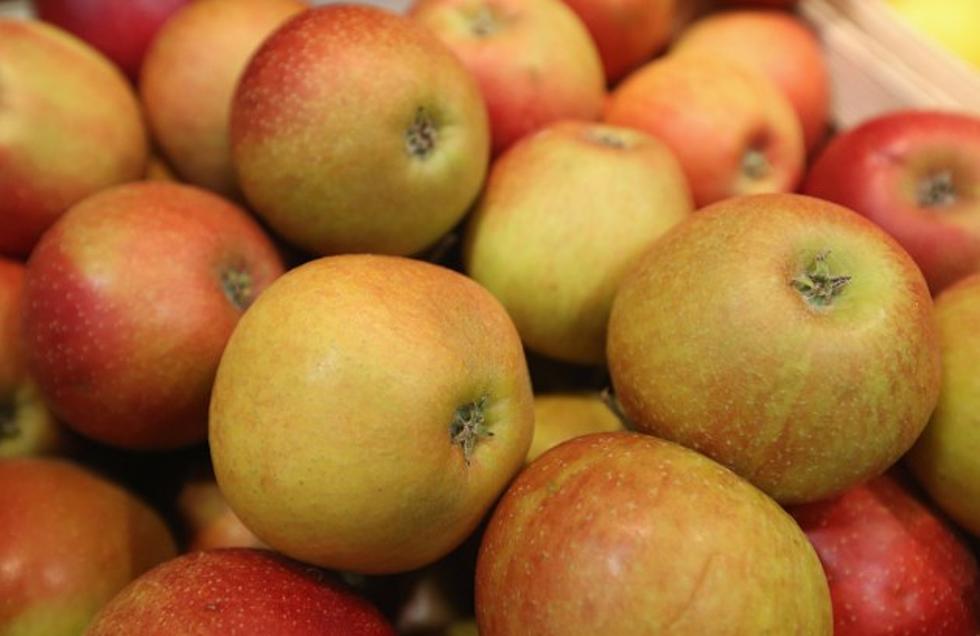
564,214
786,337
950,23
209,521
751,37
915,174
354,129
562,416
367,412
238,590
129,300
69,540
189,77
120,29
71,126
626,32
534,60
731,128
894,567
622,533
944,458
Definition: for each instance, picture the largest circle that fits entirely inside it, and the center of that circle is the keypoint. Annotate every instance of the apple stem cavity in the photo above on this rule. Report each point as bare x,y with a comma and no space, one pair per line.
422,134
817,284
605,138
469,427
237,285
937,190
755,164
8,427
484,22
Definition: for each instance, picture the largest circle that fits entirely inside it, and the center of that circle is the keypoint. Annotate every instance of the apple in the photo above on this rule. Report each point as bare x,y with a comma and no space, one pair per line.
189,77
623,533
238,590
71,126
354,129
534,60
367,412
786,337
129,300
27,426
157,169
944,458
916,174
69,540
894,567
751,37
626,32
731,128
949,23
120,29
209,521
559,417
564,214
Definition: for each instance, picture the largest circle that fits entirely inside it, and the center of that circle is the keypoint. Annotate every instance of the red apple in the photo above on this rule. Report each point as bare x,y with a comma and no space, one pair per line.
622,533
69,541
189,77
783,336
237,591
534,60
355,130
752,38
894,566
731,128
70,124
121,29
917,175
129,301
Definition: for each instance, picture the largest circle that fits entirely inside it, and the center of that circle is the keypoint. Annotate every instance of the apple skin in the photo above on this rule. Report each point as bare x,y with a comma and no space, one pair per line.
355,130
946,23
715,343
560,417
189,77
239,589
120,29
750,37
731,128
534,59
623,533
944,458
69,540
894,566
129,300
538,241
882,169
341,407
71,126
209,521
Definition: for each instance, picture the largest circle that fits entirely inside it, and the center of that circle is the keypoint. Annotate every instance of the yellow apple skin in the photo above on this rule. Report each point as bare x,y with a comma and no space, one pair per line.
336,402
560,417
944,458
952,23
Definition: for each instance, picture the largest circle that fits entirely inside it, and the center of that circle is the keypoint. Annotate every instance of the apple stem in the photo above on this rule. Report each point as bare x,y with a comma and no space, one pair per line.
469,427
817,285
937,190
8,427
237,285
755,164
420,138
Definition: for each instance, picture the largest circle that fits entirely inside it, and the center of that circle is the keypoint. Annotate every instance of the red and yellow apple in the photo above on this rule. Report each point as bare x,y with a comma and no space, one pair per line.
559,417
786,337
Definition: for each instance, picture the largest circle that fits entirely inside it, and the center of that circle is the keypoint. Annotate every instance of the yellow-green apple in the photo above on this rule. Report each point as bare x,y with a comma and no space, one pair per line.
368,410
208,520
69,541
27,426
945,457
189,76
238,591
121,29
562,416
732,129
354,129
534,59
917,175
626,32
129,300
950,22
751,37
893,565
564,214
70,124
623,533
783,336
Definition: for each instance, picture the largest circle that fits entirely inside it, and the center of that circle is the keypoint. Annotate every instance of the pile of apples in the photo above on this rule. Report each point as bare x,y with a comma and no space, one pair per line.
509,317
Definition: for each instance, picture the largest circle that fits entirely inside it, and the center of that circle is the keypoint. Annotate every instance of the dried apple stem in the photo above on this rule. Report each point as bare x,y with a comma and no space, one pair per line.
818,285
469,427
937,190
